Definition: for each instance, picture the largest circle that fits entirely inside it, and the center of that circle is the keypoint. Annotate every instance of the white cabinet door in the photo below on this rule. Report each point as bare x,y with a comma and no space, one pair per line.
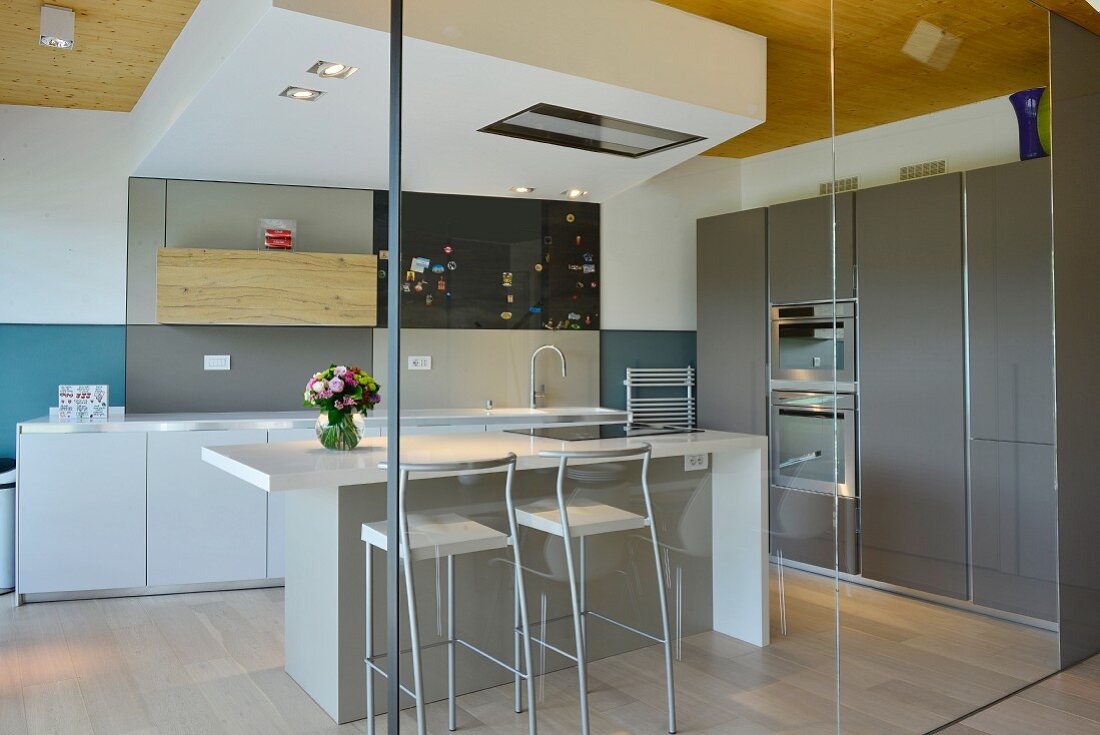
81,512
204,524
276,506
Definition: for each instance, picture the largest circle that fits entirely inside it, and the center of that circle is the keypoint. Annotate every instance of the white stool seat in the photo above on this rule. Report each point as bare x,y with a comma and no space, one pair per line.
586,517
439,535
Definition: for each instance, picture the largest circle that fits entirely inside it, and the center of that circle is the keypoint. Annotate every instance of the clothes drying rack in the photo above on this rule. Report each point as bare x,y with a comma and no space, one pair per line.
669,409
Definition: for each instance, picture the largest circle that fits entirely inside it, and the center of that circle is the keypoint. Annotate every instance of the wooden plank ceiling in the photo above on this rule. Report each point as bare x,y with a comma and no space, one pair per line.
1002,48
118,47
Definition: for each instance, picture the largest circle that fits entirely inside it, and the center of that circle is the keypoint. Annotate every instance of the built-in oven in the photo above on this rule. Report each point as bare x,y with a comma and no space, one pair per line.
813,456
808,341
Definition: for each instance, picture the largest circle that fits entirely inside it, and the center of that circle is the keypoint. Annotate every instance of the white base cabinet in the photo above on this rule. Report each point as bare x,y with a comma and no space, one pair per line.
125,510
204,525
81,512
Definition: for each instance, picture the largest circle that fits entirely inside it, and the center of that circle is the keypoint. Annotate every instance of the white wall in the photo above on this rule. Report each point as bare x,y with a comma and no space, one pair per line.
63,209
63,181
972,136
647,243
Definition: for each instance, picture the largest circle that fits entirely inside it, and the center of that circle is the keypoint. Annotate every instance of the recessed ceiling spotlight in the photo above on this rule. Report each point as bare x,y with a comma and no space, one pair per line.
302,94
522,189
332,70
56,27
574,193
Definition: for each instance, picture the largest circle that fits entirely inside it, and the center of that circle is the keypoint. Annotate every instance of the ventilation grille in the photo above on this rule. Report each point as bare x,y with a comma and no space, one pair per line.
920,170
849,184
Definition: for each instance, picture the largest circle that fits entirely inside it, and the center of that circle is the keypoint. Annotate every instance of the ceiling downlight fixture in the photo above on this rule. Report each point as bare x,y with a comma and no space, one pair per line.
302,94
332,70
574,193
521,189
57,27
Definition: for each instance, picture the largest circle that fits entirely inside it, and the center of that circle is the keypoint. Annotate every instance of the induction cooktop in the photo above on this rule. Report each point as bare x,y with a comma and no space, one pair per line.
602,431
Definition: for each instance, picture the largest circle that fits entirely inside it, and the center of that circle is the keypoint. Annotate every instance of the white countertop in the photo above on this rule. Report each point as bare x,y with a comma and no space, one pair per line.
305,418
304,465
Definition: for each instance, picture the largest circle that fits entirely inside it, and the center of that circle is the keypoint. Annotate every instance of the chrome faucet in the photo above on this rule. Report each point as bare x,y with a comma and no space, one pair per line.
534,393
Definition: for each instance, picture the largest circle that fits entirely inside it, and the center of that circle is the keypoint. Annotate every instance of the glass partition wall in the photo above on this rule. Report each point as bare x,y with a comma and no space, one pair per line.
831,259
943,131
587,263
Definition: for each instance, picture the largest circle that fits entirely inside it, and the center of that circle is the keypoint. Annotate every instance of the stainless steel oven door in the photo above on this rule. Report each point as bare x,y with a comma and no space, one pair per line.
807,342
802,443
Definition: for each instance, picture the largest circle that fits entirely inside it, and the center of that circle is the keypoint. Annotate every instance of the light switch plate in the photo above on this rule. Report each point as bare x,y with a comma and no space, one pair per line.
215,362
696,462
420,362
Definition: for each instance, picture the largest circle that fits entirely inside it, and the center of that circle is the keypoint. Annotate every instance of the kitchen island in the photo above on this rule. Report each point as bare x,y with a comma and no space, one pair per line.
721,578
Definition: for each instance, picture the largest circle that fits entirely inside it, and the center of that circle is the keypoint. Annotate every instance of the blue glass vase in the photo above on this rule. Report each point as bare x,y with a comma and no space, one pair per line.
1026,105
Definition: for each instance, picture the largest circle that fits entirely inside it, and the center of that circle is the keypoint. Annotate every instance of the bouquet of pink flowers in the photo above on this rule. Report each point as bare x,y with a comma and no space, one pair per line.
342,394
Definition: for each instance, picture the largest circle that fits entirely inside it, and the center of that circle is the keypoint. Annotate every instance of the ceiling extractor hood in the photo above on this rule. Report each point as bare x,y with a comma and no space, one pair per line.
546,123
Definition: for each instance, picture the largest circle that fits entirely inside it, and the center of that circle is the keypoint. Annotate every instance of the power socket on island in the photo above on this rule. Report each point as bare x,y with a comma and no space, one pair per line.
420,362
696,462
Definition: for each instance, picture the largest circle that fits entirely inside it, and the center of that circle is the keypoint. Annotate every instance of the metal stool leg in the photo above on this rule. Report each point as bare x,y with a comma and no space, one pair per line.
414,621
370,638
582,542
517,693
578,635
521,609
451,645
661,594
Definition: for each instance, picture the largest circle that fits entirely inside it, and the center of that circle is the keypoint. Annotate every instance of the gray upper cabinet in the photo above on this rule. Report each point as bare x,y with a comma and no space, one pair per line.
145,235
800,249
733,322
215,214
912,397
1008,226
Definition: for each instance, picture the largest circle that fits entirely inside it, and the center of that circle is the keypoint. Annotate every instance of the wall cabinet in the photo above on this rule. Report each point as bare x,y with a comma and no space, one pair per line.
81,512
800,249
1014,524
204,525
912,392
733,322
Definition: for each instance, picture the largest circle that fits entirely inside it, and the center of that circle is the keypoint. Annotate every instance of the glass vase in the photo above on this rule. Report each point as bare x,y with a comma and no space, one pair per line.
342,434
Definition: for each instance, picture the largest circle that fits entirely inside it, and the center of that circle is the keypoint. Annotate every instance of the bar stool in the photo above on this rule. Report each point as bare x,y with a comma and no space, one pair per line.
580,520
434,536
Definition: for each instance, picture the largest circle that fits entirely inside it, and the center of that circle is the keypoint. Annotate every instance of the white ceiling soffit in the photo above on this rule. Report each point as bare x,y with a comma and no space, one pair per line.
637,44
238,128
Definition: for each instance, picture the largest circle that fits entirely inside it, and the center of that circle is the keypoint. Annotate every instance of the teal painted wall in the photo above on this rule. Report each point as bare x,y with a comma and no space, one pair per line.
36,358
620,349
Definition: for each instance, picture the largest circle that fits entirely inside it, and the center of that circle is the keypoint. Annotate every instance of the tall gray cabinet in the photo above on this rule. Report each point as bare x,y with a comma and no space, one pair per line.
733,321
912,385
1012,477
800,249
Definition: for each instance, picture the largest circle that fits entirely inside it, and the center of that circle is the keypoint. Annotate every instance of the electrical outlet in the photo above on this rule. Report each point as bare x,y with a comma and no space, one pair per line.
696,462
215,362
420,362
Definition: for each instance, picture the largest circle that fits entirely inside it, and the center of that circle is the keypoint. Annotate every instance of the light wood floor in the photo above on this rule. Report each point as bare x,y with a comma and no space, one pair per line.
212,663
1066,704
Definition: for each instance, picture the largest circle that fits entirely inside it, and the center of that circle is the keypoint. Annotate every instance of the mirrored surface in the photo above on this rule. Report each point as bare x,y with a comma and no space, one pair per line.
537,273
943,126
